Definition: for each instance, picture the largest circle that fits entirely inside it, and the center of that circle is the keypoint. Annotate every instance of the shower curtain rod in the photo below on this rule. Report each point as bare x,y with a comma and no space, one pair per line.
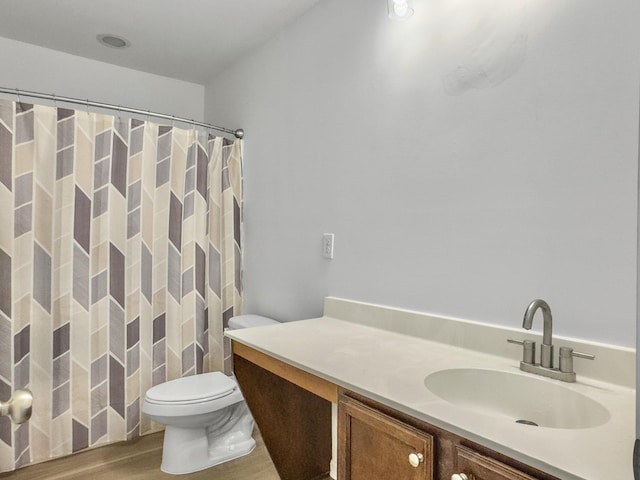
238,133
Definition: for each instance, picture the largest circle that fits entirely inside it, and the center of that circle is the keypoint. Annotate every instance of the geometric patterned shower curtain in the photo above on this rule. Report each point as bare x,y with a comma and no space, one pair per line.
120,264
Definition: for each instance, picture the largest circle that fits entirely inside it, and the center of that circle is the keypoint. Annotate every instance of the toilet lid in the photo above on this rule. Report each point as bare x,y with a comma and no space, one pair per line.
250,320
192,389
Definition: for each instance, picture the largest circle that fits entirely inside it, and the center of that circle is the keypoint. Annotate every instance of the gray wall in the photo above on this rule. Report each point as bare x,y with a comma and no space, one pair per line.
29,67
477,157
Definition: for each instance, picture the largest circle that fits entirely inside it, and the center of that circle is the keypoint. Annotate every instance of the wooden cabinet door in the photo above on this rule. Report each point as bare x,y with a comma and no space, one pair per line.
374,446
480,467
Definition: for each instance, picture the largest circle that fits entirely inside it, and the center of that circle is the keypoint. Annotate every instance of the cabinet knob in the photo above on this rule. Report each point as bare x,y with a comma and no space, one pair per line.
415,459
459,476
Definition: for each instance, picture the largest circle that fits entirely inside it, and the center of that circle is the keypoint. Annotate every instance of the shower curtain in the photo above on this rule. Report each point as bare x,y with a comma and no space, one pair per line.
119,267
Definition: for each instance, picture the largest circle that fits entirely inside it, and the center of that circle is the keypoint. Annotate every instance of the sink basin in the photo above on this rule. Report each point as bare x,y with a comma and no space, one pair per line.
517,398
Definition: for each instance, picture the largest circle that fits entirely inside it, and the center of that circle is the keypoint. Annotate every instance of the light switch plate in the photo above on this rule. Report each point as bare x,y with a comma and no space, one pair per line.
327,245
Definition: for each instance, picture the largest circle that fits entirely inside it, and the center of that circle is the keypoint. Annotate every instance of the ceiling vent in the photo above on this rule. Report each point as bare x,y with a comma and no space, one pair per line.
113,41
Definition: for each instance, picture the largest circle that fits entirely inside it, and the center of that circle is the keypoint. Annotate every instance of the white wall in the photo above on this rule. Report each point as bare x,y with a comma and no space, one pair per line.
477,157
38,69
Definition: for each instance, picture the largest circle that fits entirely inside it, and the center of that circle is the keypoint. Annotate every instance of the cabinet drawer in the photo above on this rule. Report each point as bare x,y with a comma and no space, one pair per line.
374,446
479,467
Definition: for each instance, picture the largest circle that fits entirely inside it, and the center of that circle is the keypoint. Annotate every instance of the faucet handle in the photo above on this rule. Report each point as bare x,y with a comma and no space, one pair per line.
566,358
587,356
528,351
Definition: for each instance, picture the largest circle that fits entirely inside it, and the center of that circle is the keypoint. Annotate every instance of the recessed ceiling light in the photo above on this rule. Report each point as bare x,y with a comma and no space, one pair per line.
113,41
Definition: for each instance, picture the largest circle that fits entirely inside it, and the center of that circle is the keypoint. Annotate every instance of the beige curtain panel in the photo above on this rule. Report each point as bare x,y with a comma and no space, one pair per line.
120,260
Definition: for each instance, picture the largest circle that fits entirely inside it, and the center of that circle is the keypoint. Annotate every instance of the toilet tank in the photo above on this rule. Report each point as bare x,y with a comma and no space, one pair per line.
248,321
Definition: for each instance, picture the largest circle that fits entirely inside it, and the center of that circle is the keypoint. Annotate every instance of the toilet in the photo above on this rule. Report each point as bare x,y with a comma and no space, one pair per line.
206,419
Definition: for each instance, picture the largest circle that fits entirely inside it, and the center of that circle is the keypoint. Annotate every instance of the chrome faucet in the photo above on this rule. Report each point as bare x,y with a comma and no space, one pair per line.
546,350
545,367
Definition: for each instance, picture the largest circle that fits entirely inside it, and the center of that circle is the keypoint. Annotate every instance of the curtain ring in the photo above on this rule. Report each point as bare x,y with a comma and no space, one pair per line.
148,114
87,105
18,95
55,102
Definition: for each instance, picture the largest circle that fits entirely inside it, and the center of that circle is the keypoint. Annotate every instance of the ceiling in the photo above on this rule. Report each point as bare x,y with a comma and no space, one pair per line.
191,40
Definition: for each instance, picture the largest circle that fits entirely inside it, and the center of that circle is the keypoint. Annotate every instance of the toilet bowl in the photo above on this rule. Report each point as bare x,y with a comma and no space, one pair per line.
207,421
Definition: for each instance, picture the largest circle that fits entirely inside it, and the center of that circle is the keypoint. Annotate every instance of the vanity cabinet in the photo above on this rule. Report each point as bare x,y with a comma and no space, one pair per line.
376,442
480,467
373,445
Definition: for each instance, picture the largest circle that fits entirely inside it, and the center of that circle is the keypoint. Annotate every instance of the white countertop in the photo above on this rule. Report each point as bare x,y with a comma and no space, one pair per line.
390,367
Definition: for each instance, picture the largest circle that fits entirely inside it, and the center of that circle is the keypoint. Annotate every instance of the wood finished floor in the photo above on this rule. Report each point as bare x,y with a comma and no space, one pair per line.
140,460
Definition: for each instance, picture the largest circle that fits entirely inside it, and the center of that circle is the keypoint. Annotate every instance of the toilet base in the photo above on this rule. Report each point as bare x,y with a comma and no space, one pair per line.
182,466
188,450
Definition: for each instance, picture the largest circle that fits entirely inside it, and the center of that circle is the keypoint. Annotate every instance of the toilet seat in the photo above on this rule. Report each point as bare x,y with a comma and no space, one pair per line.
192,390
194,395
